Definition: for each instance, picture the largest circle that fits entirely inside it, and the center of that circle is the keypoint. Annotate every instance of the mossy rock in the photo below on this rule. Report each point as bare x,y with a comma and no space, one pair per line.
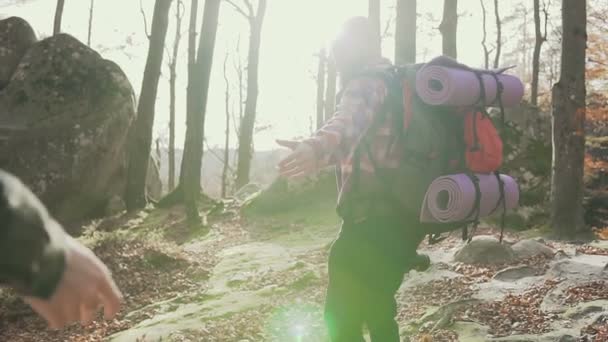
283,195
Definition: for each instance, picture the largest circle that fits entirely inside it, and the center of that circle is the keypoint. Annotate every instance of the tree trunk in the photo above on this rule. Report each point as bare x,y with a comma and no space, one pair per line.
498,35
198,89
58,17
321,88
248,122
90,23
539,40
177,195
405,32
449,27
141,132
191,76
227,132
486,53
330,91
569,95
374,18
172,86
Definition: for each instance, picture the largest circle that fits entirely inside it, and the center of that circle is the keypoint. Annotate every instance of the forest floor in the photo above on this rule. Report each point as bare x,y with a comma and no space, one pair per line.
262,278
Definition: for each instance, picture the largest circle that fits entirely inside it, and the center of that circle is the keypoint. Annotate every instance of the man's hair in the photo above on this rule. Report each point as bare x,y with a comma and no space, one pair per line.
356,39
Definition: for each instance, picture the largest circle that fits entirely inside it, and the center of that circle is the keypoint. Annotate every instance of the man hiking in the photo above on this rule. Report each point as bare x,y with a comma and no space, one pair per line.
377,243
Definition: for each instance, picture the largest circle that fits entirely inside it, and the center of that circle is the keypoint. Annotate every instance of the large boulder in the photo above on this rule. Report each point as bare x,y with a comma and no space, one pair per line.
485,250
72,110
16,37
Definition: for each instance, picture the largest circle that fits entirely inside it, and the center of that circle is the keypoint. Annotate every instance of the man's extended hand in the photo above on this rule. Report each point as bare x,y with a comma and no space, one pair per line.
300,163
85,286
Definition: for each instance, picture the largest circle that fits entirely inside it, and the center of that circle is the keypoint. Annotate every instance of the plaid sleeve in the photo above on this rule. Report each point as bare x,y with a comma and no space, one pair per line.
360,102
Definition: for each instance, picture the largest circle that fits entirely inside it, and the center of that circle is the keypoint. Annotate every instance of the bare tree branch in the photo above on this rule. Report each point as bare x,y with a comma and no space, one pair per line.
486,53
240,10
143,14
238,67
250,7
387,29
213,153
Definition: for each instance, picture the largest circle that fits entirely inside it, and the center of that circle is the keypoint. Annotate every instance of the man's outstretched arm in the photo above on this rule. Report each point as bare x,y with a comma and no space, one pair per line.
360,102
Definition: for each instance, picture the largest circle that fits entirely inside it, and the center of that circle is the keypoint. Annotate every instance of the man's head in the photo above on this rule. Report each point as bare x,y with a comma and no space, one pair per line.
355,46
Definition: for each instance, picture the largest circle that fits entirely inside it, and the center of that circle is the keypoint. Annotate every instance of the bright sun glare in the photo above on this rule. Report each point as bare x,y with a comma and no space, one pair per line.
293,33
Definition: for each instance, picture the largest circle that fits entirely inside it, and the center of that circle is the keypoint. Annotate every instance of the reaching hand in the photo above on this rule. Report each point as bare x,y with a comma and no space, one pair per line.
85,286
300,163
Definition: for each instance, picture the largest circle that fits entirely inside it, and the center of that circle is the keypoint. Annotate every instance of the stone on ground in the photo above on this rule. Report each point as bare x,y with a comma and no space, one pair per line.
530,248
485,250
516,273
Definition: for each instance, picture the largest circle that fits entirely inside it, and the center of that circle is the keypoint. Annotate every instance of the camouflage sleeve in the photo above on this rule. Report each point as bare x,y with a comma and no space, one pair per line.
360,102
32,244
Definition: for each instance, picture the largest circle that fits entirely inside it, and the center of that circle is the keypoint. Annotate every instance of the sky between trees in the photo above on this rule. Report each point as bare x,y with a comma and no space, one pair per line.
294,30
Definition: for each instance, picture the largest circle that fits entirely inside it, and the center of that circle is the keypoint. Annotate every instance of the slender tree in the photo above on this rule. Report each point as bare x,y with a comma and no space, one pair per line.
141,132
91,7
198,91
330,91
448,28
486,52
405,32
569,108
540,38
498,35
227,132
58,17
374,18
237,115
256,20
238,68
321,88
179,12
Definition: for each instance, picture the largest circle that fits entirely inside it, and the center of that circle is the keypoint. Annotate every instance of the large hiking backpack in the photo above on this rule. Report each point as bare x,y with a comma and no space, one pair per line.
436,141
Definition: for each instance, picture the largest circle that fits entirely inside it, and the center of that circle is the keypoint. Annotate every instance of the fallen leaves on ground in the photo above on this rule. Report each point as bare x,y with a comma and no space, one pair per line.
436,336
513,314
591,250
146,272
601,233
588,292
436,293
483,273
598,331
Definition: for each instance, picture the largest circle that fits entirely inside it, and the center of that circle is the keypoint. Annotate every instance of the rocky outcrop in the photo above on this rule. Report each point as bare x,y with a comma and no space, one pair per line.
16,37
69,111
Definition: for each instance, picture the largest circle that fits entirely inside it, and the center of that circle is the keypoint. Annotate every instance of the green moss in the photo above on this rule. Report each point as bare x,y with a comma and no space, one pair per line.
235,283
157,259
307,280
279,198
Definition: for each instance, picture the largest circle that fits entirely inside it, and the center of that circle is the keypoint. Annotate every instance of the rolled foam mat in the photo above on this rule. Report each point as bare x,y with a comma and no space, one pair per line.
439,85
452,198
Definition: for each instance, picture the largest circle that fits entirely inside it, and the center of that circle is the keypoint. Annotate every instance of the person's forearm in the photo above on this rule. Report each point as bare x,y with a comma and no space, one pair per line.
32,268
32,244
